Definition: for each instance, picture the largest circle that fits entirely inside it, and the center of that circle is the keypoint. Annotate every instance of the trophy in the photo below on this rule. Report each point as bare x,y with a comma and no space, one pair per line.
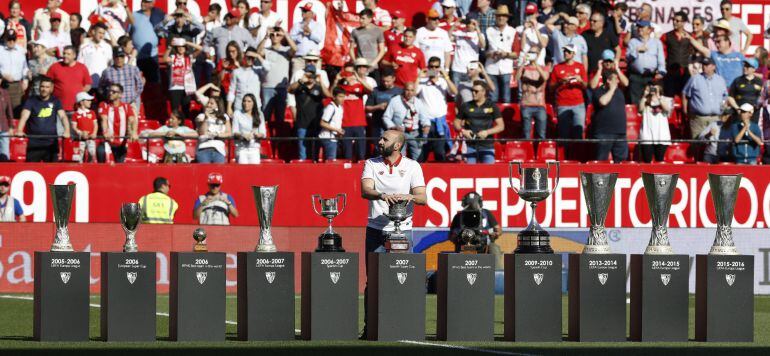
659,189
199,235
597,189
396,240
330,241
533,188
724,191
130,216
61,200
265,199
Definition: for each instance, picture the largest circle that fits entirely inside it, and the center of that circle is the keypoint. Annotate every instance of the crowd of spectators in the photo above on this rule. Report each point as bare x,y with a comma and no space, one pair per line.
235,76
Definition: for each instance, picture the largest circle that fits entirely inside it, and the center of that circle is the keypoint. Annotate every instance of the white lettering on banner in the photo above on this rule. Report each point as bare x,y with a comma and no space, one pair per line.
663,10
507,211
622,183
677,208
162,268
232,260
487,183
748,11
25,267
435,205
765,207
456,184
563,204
749,187
81,192
702,211
636,188
39,206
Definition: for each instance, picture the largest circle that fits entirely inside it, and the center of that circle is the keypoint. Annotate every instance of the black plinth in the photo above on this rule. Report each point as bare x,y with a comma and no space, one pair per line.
396,296
197,296
265,296
466,297
61,296
128,296
533,309
597,297
724,298
329,242
659,297
329,296
533,241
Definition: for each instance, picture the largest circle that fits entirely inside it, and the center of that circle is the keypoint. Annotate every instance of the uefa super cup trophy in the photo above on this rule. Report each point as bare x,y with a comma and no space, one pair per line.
130,216
659,189
265,199
199,235
533,188
329,240
396,241
724,191
597,189
61,199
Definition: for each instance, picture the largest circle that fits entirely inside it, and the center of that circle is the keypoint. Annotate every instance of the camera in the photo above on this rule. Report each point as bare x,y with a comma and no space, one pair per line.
473,238
653,90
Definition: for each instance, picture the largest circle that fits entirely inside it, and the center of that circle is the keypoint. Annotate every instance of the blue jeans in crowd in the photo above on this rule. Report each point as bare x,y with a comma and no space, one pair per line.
413,145
209,155
360,144
485,156
274,103
619,149
458,77
5,146
571,121
502,92
330,149
305,146
528,113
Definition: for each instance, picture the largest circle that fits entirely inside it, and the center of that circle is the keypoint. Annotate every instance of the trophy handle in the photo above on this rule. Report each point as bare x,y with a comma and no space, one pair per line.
556,182
510,174
344,198
313,199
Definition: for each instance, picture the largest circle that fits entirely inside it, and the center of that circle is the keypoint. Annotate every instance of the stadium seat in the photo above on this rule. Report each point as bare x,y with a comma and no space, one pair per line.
155,150
301,161
632,134
191,149
512,119
189,123
549,151
18,149
678,153
599,162
632,113
518,151
134,153
147,125
271,160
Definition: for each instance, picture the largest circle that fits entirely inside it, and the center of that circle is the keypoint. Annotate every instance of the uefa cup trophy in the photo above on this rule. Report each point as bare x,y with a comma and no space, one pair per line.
199,235
724,191
396,240
597,189
130,216
659,189
329,240
61,199
265,199
534,189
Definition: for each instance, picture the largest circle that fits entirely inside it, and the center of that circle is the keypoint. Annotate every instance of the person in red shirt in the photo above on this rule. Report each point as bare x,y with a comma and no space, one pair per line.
70,77
119,125
568,80
395,35
85,127
407,59
354,119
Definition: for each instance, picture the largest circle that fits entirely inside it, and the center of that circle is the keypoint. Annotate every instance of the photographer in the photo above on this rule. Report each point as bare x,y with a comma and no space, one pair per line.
655,134
477,224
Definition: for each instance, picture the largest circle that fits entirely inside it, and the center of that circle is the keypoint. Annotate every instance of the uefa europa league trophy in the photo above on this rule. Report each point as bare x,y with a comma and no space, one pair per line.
597,189
724,191
265,199
330,241
533,188
199,235
396,241
61,199
659,189
130,216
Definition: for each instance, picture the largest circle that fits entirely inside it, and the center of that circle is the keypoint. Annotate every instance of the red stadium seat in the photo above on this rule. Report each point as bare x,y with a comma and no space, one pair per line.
147,125
271,160
155,150
518,151
599,162
191,149
189,123
512,119
678,153
632,134
301,161
549,151
134,153
18,149
632,113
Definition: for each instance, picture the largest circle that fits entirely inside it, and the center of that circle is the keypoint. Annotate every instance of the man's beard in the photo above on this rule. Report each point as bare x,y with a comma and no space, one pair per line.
388,150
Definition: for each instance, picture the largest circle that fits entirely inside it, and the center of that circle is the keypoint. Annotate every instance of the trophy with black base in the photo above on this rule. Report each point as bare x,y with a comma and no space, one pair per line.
329,240
396,241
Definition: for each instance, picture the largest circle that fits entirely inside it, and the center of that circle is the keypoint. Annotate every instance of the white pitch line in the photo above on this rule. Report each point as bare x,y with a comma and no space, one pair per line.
465,348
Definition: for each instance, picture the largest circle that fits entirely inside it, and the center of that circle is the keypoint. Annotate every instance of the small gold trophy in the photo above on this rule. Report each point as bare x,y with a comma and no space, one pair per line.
200,240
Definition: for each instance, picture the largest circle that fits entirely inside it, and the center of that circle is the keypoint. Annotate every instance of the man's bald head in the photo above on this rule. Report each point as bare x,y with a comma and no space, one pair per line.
392,138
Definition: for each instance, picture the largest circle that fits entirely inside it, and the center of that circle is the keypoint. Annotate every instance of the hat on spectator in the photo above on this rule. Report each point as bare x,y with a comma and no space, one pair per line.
502,10
5,179
55,16
234,12
573,20
307,7
473,65
530,9
178,42
706,61
118,52
361,62
723,24
312,54
449,3
398,14
608,55
83,96
569,47
752,62
643,23
747,108
433,14
309,68
215,178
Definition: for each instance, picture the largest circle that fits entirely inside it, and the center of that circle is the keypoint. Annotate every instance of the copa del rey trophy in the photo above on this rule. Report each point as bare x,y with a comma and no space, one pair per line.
724,191
597,189
130,217
659,189
396,240
533,188
264,196
61,199
329,240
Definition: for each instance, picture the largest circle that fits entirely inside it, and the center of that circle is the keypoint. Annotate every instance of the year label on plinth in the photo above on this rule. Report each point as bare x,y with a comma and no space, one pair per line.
533,307
265,296
466,297
61,296
597,297
724,298
128,296
329,296
659,297
396,296
197,296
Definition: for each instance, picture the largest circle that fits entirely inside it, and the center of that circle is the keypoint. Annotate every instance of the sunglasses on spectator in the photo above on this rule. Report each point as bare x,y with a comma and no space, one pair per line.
251,57
181,3
726,8
116,92
434,67
276,34
476,90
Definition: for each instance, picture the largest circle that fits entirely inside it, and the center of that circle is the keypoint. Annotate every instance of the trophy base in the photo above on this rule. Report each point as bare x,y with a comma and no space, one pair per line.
266,248
62,248
200,248
723,251
533,241
659,250
329,243
131,248
397,246
469,249
596,250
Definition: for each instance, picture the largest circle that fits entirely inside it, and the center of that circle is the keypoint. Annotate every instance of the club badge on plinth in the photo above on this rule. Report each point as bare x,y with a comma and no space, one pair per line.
329,240
659,189
130,217
199,235
264,196
597,189
534,189
396,241
61,200
724,192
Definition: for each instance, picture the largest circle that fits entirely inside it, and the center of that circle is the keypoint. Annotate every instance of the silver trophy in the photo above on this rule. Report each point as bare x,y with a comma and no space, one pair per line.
396,241
329,240
61,200
659,189
724,191
534,189
265,199
597,189
130,217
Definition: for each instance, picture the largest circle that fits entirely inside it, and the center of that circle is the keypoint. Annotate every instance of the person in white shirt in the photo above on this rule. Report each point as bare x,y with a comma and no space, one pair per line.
264,20
434,41
382,18
469,41
435,86
331,124
116,16
54,39
531,34
96,53
248,128
41,20
500,55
